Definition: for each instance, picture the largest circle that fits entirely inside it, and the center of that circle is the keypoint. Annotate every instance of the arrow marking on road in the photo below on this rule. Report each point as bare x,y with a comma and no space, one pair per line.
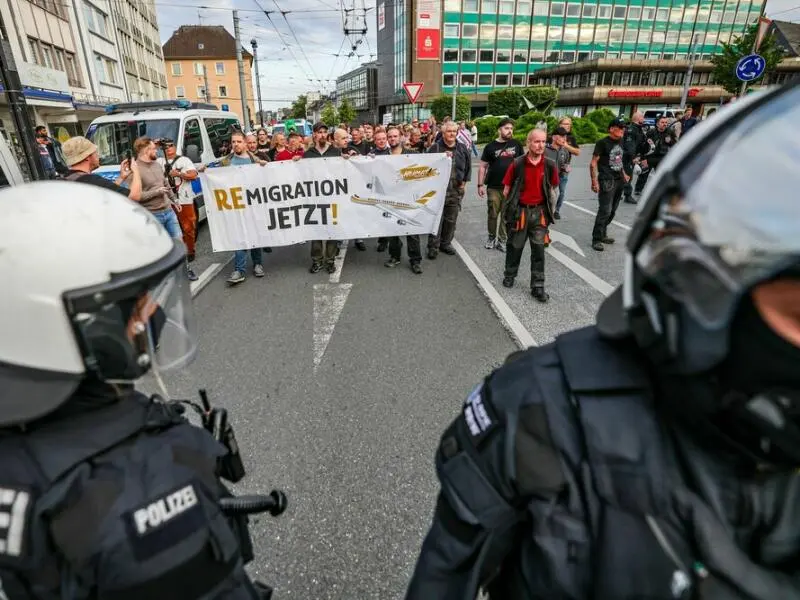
566,240
329,301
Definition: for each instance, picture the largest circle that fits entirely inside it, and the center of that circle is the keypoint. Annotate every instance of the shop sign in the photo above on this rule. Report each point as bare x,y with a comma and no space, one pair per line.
635,93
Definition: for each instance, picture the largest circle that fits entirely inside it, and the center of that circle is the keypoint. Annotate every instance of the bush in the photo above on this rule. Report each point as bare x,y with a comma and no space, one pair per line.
601,118
487,128
504,102
585,131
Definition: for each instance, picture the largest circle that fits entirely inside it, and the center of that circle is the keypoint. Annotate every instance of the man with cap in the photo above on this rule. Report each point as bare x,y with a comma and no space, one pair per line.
557,151
654,454
497,156
82,158
322,252
608,180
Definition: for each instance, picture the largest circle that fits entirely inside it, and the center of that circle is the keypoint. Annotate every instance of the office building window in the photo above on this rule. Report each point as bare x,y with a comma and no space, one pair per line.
630,35
469,30
538,32
471,6
489,7
619,12
587,33
520,56
568,57
589,10
501,79
469,56
537,56
503,56
180,91
518,80
451,30
573,10
47,56
452,5
571,33
540,8
505,32
506,7
488,32
448,79
524,9
468,79
223,91
484,79
486,56
522,32
557,9
450,55
219,68
582,56
662,14
634,12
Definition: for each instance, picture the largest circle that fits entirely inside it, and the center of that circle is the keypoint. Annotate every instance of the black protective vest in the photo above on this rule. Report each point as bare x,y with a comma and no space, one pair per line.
117,503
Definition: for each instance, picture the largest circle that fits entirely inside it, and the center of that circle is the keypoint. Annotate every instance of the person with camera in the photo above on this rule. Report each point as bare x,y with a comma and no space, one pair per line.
105,492
157,194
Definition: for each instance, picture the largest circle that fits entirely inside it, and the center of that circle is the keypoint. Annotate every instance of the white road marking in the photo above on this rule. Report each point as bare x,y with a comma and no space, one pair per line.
206,276
329,301
521,335
594,213
558,237
593,280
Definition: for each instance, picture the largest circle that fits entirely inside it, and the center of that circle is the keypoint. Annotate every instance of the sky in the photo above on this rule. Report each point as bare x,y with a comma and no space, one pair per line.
303,50
306,49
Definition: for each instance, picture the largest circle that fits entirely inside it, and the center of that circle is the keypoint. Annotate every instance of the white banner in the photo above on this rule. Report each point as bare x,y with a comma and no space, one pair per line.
288,202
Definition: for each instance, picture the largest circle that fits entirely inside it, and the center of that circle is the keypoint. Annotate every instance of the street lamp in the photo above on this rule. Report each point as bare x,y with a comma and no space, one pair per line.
254,44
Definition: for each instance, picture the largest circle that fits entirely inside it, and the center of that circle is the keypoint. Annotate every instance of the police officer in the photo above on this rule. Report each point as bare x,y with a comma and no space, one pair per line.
634,147
104,493
653,455
662,138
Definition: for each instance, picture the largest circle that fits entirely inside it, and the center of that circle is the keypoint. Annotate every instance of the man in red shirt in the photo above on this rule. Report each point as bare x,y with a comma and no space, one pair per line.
294,151
529,186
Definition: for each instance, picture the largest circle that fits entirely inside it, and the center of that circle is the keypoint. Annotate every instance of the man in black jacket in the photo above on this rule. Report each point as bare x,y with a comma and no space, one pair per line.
459,176
323,251
654,455
395,243
634,147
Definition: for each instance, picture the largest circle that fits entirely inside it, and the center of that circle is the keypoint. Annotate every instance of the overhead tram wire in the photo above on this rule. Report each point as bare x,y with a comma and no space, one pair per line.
283,41
294,35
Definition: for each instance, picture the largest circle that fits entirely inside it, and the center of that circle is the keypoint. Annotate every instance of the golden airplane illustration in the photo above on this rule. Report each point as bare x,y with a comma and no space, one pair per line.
388,205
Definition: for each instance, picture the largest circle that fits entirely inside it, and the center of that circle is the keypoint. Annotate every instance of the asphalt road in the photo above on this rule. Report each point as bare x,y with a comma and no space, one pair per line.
345,415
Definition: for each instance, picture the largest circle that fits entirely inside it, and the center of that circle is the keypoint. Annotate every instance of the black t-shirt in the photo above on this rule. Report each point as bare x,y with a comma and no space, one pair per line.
362,148
97,180
610,164
499,155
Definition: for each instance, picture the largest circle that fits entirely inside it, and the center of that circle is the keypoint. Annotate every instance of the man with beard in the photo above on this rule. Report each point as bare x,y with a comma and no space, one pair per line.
459,176
497,156
340,141
322,251
395,243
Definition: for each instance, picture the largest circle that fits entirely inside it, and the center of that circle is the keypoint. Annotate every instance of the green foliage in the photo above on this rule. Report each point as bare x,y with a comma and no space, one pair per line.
442,106
328,115
585,131
601,118
299,108
487,128
347,114
725,62
529,120
510,101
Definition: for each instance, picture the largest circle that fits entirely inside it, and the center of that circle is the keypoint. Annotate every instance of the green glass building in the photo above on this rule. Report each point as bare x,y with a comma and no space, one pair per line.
490,44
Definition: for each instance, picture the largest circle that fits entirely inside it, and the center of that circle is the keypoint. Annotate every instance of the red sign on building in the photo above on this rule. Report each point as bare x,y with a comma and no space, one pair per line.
428,44
428,23
635,93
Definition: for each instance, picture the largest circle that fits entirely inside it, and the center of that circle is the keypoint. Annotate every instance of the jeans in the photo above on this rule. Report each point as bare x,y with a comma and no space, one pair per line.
169,220
240,259
475,149
609,197
563,178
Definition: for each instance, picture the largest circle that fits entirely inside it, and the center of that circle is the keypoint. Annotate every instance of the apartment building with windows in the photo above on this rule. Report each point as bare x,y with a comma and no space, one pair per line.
360,88
488,44
201,66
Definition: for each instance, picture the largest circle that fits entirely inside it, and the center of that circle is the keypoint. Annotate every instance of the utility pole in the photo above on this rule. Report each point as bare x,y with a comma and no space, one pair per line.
254,44
689,70
205,83
19,111
756,43
240,64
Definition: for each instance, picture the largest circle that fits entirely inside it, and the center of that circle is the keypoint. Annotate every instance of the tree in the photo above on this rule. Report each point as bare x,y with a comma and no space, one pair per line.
442,106
510,101
298,110
347,114
328,115
725,62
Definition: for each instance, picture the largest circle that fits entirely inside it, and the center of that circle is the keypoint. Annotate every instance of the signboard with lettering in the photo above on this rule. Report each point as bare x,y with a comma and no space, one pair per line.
647,93
36,76
429,21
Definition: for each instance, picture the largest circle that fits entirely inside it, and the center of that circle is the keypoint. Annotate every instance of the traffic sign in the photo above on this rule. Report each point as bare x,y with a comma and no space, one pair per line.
412,91
750,67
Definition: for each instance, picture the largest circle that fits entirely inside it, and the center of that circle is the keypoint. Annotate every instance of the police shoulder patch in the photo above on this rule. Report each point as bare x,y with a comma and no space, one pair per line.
16,504
164,521
479,415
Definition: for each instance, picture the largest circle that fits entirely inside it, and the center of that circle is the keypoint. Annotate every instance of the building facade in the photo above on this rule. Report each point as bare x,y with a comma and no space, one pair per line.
360,88
201,66
493,44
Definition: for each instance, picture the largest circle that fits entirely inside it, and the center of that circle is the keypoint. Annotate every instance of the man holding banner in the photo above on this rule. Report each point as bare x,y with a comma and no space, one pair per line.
322,149
395,243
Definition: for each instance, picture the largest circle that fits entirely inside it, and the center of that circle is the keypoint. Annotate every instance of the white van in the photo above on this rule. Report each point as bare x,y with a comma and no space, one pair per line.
201,132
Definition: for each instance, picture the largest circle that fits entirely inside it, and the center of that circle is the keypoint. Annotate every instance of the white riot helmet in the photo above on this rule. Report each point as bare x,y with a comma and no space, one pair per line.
92,286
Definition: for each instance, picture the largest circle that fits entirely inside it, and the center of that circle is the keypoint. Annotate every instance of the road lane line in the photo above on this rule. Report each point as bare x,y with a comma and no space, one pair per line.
521,335
206,276
594,214
339,263
593,280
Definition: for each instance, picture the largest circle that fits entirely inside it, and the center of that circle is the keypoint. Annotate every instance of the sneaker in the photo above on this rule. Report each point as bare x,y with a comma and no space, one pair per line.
360,245
490,243
191,275
236,277
608,240
432,253
258,271
447,249
557,215
630,200
316,267
508,282
392,262
330,267
597,246
500,245
540,294
416,268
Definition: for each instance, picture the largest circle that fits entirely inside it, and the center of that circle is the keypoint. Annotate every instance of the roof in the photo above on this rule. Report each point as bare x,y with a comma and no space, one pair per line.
788,36
215,40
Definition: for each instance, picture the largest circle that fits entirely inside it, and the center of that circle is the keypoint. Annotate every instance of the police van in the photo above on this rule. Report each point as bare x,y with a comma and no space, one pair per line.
201,132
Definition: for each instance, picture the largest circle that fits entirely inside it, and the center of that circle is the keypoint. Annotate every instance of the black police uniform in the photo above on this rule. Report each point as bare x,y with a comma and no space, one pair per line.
662,142
117,497
634,145
558,481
